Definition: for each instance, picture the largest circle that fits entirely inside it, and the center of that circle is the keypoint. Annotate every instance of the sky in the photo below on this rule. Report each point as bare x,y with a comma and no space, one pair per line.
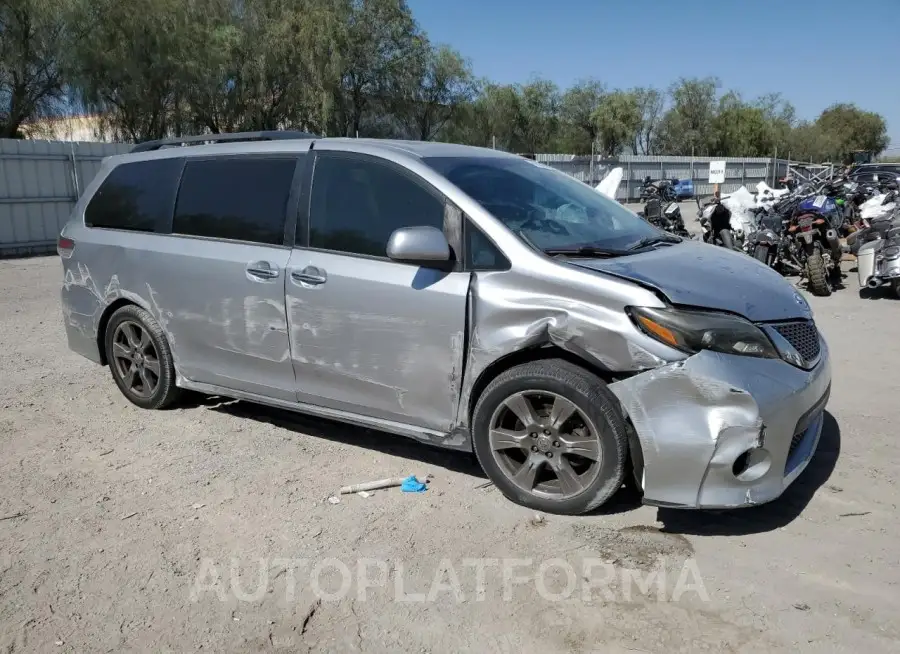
804,49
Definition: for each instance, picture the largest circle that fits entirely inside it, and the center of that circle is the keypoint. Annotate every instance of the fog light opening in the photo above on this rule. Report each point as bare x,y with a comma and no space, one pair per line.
741,464
752,464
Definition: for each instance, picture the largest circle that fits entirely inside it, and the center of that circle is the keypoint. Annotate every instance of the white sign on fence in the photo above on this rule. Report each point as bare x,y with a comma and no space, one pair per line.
716,172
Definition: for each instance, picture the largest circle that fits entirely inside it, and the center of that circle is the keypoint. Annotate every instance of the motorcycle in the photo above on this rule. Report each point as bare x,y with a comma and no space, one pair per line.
877,224
663,189
813,228
770,242
715,221
661,210
878,261
668,219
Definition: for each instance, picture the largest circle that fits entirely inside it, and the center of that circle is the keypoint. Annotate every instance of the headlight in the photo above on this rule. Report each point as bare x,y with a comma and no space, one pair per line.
693,331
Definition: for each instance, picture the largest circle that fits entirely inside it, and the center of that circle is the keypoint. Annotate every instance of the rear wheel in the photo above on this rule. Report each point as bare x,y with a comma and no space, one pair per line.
819,283
551,436
761,253
140,359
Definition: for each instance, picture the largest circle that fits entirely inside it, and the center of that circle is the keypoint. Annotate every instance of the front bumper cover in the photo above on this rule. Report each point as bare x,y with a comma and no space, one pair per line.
696,418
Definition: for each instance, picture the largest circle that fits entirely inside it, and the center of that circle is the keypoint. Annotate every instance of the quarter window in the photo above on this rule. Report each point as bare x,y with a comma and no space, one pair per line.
135,196
481,253
357,203
236,198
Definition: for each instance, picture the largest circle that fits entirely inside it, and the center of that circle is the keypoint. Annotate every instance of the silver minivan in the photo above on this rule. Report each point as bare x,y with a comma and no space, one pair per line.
465,297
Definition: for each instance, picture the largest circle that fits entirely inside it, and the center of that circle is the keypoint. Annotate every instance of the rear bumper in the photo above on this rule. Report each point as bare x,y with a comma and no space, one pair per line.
723,431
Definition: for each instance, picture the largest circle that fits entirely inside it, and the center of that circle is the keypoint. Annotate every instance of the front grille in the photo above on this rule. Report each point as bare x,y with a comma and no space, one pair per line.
803,335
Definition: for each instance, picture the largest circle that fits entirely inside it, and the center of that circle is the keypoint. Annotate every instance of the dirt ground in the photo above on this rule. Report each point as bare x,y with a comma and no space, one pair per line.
209,526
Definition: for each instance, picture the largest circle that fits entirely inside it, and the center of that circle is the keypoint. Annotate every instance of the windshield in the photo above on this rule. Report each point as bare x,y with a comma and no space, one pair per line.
548,208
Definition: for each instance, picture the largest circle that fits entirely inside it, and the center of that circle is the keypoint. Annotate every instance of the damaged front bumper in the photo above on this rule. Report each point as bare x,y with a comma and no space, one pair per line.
725,431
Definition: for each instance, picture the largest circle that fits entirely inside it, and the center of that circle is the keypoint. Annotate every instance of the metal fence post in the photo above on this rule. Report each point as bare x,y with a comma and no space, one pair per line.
75,171
628,183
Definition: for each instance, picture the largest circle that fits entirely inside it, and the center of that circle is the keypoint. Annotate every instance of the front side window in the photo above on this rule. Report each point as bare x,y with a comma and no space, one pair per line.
135,196
358,202
235,198
544,207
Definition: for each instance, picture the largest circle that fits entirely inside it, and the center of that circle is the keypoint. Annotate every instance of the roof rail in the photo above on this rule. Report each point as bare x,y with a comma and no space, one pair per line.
272,135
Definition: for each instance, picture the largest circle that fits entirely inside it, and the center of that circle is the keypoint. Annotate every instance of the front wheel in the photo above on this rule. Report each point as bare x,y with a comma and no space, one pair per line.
817,275
551,436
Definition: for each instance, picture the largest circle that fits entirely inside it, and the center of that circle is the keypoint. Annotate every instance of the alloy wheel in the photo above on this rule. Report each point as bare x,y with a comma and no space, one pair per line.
135,359
545,444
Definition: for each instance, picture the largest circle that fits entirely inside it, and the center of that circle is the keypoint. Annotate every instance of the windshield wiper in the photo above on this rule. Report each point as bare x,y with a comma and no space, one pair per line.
586,252
647,241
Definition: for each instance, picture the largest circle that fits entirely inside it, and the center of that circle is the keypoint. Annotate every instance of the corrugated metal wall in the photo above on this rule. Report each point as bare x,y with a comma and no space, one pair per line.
40,181
739,171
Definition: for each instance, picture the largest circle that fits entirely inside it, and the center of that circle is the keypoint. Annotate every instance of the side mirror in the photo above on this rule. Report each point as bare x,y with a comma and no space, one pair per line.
421,245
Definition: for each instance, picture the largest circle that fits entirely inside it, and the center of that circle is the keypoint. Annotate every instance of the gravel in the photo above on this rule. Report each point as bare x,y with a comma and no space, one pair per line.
208,526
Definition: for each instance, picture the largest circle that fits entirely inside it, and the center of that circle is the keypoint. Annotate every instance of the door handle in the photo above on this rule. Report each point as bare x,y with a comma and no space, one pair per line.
310,275
262,270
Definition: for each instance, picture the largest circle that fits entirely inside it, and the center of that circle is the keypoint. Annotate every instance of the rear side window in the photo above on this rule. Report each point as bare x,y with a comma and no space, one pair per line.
135,196
241,199
358,202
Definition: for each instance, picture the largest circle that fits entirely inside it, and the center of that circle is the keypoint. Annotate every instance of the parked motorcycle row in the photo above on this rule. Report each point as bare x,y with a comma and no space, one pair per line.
798,230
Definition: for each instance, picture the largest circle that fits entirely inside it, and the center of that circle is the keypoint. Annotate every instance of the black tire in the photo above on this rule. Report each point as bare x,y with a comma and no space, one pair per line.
817,275
592,399
895,287
761,253
165,393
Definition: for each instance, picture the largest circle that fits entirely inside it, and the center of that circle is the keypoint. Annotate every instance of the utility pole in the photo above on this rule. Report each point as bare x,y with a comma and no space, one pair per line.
592,162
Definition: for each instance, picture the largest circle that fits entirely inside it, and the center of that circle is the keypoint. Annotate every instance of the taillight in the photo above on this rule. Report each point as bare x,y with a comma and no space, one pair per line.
65,247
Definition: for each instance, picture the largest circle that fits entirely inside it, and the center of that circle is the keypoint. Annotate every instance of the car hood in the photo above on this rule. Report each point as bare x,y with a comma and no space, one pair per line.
701,275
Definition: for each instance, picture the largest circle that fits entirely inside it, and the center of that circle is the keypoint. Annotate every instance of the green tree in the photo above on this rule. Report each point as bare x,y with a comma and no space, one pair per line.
439,84
740,129
31,61
130,68
378,42
650,104
578,131
495,118
848,128
782,118
686,127
538,116
618,119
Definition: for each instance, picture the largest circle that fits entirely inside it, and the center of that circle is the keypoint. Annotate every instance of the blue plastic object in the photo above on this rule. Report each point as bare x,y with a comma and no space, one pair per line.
684,188
413,485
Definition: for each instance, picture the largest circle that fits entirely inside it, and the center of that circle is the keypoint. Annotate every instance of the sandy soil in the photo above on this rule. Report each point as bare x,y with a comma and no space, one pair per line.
209,526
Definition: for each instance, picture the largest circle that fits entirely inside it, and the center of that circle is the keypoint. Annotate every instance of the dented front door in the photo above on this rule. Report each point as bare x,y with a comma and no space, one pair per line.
377,338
